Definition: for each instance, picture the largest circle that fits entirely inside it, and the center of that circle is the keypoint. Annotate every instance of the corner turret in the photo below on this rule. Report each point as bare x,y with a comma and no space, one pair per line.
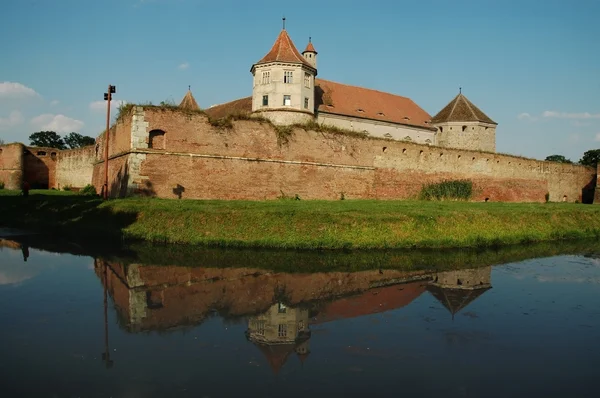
283,89
310,54
462,125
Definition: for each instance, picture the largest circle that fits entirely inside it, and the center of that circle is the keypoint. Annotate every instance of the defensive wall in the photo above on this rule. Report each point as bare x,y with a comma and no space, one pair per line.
179,154
45,168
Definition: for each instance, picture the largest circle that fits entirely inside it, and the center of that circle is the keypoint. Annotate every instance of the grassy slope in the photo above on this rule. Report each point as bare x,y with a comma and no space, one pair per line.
305,224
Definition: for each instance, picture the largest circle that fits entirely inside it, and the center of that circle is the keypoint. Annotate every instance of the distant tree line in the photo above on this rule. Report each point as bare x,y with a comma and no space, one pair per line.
589,158
52,140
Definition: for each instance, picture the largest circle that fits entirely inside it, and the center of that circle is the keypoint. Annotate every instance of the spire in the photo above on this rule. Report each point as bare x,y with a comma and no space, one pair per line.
460,109
283,23
309,47
283,50
189,102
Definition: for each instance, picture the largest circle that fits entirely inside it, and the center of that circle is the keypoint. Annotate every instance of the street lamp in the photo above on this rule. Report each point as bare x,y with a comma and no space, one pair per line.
107,97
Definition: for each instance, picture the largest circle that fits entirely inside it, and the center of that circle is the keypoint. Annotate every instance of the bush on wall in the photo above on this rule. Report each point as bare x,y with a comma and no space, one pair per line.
447,190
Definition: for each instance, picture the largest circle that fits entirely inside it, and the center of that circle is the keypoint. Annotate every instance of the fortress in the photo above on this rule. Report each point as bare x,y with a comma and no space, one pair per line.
298,135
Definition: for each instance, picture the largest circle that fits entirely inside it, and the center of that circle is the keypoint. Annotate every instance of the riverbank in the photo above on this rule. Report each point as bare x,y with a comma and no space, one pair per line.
298,224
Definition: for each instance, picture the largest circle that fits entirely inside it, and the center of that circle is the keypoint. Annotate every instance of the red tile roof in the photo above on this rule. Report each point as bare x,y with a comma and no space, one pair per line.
460,109
345,100
283,50
310,47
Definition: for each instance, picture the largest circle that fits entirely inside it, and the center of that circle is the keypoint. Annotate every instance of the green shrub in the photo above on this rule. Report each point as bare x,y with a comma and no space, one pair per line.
67,188
547,196
88,190
447,189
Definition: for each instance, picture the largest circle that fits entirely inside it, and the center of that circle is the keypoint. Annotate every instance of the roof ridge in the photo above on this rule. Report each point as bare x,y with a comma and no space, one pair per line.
468,103
456,99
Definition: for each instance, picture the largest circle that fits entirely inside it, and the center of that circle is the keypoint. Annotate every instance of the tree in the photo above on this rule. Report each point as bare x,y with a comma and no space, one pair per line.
590,158
48,139
558,158
75,140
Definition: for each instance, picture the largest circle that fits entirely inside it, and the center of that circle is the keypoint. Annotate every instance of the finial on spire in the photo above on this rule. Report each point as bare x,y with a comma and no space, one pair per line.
283,23
189,88
309,39
460,90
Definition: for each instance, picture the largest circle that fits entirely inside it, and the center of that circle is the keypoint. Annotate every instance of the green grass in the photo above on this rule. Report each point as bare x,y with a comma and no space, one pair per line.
300,224
37,192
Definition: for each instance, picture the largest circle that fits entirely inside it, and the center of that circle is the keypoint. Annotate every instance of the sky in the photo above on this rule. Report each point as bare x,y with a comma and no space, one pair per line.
533,66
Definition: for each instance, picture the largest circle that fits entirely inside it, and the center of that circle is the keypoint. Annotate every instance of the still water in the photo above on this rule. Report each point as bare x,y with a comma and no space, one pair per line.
173,322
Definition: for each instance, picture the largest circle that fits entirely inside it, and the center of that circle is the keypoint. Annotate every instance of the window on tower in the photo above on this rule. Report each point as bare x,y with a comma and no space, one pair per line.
288,76
265,100
306,80
266,77
305,102
287,100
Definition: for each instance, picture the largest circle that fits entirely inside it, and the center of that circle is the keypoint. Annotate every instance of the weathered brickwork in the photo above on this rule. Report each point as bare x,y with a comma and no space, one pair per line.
11,165
253,161
39,166
75,167
597,195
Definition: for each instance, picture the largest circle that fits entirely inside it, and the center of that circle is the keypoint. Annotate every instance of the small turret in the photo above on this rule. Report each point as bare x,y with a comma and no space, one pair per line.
310,54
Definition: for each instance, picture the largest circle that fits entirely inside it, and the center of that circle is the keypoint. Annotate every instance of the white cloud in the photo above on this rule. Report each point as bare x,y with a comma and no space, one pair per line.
101,105
526,116
13,119
565,115
53,103
16,90
597,137
183,66
57,123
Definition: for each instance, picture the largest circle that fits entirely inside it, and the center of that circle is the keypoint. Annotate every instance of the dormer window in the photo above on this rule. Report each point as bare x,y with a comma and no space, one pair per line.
380,114
360,110
288,76
406,118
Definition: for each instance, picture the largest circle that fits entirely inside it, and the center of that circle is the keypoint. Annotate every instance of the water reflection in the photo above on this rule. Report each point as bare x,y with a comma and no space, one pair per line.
210,323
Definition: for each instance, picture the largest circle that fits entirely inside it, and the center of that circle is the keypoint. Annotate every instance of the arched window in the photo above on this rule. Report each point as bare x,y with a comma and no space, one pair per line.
156,139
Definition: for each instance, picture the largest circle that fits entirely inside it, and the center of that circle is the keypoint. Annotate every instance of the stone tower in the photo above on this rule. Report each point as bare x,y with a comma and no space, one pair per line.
283,89
462,125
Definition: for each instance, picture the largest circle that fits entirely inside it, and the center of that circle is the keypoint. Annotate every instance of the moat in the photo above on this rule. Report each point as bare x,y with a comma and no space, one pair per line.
148,321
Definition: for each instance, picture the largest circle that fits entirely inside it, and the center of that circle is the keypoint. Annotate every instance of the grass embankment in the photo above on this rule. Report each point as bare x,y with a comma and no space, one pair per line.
347,224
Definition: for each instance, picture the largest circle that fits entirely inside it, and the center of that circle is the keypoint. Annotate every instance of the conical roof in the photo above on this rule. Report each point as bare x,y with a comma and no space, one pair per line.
460,109
310,47
456,299
283,50
189,102
276,354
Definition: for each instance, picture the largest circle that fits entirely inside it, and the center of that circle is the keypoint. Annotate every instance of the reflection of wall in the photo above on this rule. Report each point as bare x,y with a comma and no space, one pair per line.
158,298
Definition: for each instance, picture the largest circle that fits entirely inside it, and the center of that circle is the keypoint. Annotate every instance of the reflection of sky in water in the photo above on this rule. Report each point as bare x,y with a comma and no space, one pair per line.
534,333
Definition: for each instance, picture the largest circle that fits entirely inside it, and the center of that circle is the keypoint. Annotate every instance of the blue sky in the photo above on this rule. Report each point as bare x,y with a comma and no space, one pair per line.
532,66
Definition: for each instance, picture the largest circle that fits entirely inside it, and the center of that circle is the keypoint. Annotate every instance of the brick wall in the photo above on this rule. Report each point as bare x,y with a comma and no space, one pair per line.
75,167
251,161
40,167
11,165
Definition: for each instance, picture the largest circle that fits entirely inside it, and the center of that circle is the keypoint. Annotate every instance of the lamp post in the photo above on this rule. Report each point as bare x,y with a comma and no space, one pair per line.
107,97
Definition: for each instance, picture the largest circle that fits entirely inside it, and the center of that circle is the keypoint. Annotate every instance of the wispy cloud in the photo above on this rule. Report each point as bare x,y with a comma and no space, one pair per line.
57,123
183,66
13,119
54,102
99,106
15,90
526,116
566,115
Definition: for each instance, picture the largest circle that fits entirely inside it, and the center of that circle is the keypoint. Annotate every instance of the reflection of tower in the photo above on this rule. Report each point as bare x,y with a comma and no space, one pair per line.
106,353
457,289
280,331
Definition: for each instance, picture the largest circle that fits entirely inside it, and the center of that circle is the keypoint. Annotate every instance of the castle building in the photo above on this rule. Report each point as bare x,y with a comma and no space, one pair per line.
286,91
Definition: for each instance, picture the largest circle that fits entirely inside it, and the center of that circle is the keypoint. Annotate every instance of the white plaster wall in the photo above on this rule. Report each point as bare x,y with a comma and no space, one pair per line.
285,117
276,89
378,129
476,135
139,129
